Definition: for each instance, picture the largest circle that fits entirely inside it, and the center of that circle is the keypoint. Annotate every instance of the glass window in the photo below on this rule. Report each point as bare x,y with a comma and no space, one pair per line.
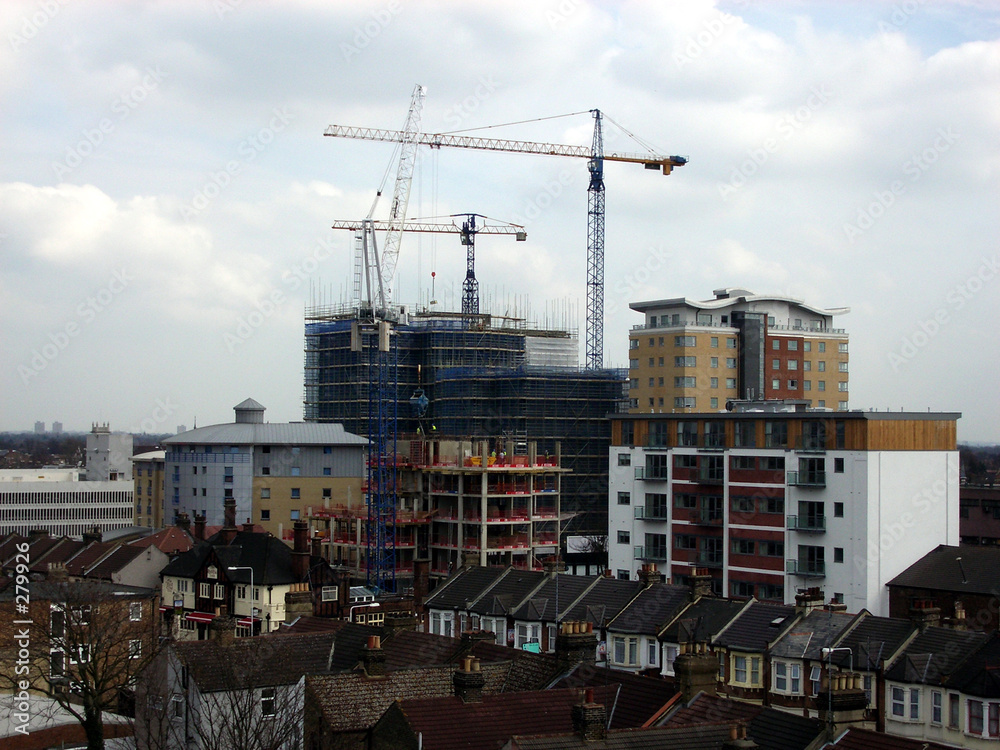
937,706
714,342
624,459
975,717
713,362
624,498
296,493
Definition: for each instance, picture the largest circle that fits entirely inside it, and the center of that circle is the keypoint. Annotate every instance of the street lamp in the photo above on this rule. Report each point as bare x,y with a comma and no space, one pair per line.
253,608
828,653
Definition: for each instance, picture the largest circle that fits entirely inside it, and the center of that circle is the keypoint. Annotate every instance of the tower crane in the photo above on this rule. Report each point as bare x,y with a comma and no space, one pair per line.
595,156
468,230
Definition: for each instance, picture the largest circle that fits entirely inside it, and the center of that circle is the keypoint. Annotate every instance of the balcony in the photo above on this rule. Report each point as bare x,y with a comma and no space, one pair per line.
651,514
709,559
656,475
807,478
811,444
805,569
812,524
707,516
651,554
712,443
711,475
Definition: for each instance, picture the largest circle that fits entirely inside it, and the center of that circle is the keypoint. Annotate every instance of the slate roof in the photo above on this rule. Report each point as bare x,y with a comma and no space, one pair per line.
352,701
604,601
934,654
447,722
564,589
171,540
263,661
270,558
8,547
675,738
651,609
88,556
57,591
701,620
638,698
114,562
467,585
267,433
979,674
756,627
768,727
866,739
940,570
811,634
58,553
310,624
509,592
872,640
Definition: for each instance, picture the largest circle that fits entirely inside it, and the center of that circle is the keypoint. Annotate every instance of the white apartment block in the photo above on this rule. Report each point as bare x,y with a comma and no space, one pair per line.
774,497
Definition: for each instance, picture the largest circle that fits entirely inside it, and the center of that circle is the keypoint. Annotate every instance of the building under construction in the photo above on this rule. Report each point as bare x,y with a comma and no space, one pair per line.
474,378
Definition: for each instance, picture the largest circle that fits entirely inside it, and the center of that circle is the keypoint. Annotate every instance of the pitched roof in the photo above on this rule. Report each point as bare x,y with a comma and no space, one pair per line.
58,553
676,738
464,586
604,600
966,570
979,674
872,640
934,654
651,609
768,727
811,634
267,433
88,556
509,592
270,558
262,661
448,722
118,559
638,698
9,546
757,626
701,620
352,701
554,597
866,739
171,540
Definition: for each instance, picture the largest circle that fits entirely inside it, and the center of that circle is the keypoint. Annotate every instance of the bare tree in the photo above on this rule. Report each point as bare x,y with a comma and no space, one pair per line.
88,642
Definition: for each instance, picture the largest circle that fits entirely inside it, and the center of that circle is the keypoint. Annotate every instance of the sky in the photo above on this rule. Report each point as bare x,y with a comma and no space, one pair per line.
166,190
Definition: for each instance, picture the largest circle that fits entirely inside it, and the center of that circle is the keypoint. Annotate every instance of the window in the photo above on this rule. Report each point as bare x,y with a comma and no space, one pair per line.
220,591
731,363
775,364
652,361
624,498
684,382
633,364
775,384
793,345
842,367
953,702
685,361
821,366
714,342
814,679
684,402
623,537
807,385
58,623
713,362
265,515
743,546
182,585
713,403
685,341
807,346
685,541
838,554
669,656
775,434
328,594
135,611
296,493
327,471
652,647
713,383
792,364
625,650
265,470
776,344
822,346
624,459
624,575
686,501
652,382
787,678
820,385
57,663
204,590
685,461
937,707
994,718
842,385
267,707
742,504
134,648
294,514
730,343
807,365
771,549
746,436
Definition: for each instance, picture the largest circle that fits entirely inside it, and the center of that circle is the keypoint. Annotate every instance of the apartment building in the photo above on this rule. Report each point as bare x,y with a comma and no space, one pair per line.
147,476
274,471
773,497
691,355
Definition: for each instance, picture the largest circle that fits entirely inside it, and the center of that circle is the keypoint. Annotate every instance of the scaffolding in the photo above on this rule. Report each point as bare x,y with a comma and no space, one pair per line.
481,382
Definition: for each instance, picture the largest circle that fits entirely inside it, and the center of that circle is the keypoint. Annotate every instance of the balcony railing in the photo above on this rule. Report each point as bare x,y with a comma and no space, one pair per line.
711,475
654,554
807,478
651,514
807,523
811,444
713,442
709,559
709,516
805,569
656,475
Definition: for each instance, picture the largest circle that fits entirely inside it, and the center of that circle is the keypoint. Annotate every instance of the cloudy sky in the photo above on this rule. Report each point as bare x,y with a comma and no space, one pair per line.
166,190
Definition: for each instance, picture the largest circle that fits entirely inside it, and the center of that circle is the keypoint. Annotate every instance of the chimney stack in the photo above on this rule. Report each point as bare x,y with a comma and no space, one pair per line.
649,575
589,718
223,627
806,600
298,602
57,573
300,550
576,643
93,535
228,533
958,622
701,583
316,545
373,657
183,522
199,526
696,669
469,681
925,613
